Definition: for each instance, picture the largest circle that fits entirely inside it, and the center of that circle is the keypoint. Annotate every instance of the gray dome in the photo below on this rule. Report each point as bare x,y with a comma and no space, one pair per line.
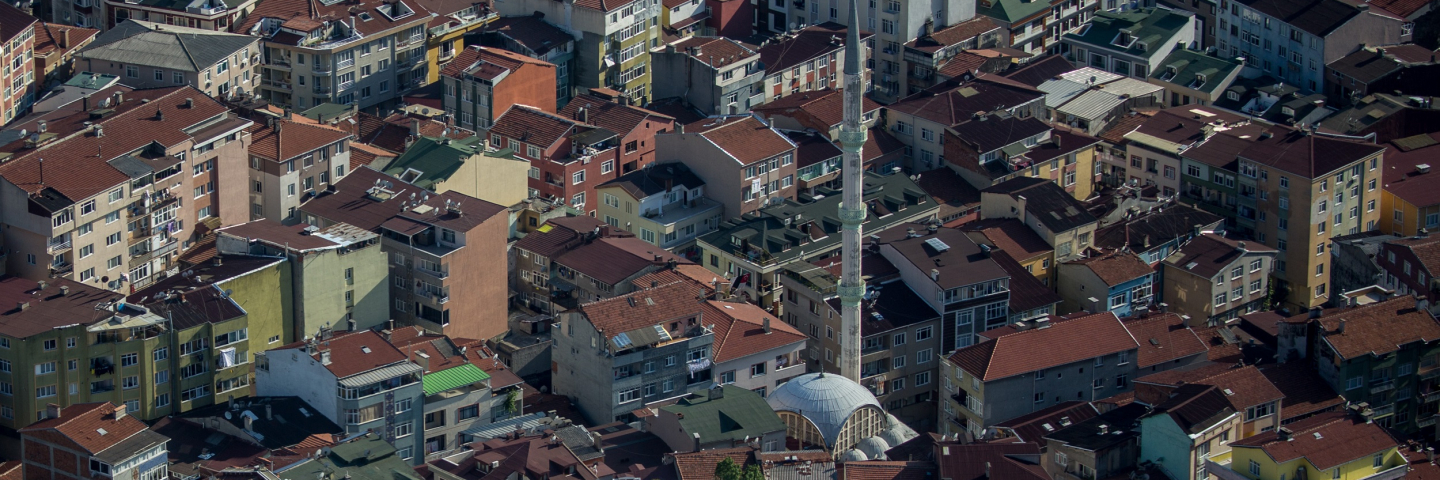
896,432
826,400
873,447
853,455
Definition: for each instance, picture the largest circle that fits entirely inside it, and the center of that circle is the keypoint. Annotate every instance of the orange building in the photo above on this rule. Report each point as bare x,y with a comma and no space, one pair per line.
17,46
482,82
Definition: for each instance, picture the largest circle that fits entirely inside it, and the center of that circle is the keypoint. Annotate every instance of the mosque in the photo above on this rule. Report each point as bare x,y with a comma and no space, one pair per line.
834,413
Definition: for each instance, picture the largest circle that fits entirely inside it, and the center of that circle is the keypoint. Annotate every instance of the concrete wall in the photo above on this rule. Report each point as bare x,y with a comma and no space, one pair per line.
498,180
242,74
774,375
1012,397
584,371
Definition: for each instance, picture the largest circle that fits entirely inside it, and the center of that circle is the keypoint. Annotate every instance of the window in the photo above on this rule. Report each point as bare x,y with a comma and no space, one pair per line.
578,177
727,377
630,395
898,339
49,345
129,359
46,392
923,356
757,369
924,333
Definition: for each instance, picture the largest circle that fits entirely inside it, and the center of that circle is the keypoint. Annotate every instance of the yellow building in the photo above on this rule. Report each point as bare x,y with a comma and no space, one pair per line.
1060,155
1334,445
1018,240
443,41
441,165
1410,200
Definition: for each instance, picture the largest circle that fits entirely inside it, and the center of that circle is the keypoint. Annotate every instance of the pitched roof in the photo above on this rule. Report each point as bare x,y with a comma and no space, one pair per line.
1311,156
436,159
1115,267
651,306
91,426
350,203
1034,426
307,16
169,47
1374,329
1040,70
533,126
736,415
1047,202
886,470
1365,65
1150,229
810,42
47,309
1010,235
286,139
715,52
824,104
559,235
531,32
1402,175
1209,254
701,465
14,22
1163,338
1026,292
488,63
49,36
1318,17
613,259
1150,27
1196,408
291,421
985,461
621,119
1244,387
954,105
953,34
353,353
1426,249
1026,351
1327,440
740,330
1190,66
1304,390
950,190
748,139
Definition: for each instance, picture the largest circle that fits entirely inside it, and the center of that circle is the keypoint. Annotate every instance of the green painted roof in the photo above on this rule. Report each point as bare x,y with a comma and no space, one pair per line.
738,414
1189,64
367,458
1150,26
1012,11
453,378
435,160
325,111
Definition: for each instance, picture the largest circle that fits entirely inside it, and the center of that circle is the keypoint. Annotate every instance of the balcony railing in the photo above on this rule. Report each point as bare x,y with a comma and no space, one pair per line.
346,63
1382,386
345,85
1426,422
322,90
59,247
1430,396
434,272
276,84
322,68
1430,372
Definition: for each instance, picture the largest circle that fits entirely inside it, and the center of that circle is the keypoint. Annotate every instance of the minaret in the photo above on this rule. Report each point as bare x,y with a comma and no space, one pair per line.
852,209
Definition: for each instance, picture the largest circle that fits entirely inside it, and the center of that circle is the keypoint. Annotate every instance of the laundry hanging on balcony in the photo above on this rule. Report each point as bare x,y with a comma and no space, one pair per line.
697,366
227,357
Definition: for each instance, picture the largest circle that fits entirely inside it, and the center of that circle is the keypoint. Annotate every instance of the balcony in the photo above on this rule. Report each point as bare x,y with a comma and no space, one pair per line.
346,63
322,90
61,269
1430,396
58,246
446,56
440,273
1381,386
278,61
1383,411
276,85
156,253
1426,422
322,68
1427,373
345,85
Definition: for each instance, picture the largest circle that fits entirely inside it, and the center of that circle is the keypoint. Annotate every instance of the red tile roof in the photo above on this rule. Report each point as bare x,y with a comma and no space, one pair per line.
1061,343
740,330
621,119
885,470
1211,254
695,274
747,139
612,260
1377,328
1034,426
533,126
1310,156
824,104
1010,235
953,34
13,22
355,352
444,352
1244,387
291,139
701,465
810,42
957,105
652,306
1115,267
1326,441
91,426
307,16
989,461
1163,338
715,51
49,35
487,63
349,203
1403,8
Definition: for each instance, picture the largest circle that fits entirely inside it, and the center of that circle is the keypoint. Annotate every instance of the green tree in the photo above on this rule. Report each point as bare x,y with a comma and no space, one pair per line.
512,401
752,472
727,470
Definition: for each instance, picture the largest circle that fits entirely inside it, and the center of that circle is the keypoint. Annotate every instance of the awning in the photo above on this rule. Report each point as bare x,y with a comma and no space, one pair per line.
452,378
1014,149
379,374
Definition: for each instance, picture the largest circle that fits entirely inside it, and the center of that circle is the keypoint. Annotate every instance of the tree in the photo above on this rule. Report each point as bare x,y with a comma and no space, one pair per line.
727,470
753,472
512,401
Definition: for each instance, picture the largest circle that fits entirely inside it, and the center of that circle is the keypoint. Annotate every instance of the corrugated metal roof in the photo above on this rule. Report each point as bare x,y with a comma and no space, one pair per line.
1092,104
1154,141
453,378
1131,87
500,429
1057,92
177,48
379,374
1084,75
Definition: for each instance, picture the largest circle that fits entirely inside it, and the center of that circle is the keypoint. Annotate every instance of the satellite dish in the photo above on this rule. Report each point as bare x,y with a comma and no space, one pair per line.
229,291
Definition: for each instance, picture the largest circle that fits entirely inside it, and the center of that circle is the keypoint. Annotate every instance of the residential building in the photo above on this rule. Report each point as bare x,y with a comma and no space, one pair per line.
1168,345
664,204
819,110
1373,69
1156,147
990,151
1407,266
1019,242
1193,78
653,342
1157,232
1131,43
1115,281
1356,265
751,253
281,180
359,365
458,396
753,349
465,166
1047,209
1267,98
1097,447
724,416
478,81
20,87
149,55
274,425
959,202
1020,461
1373,358
122,221
898,334
338,279
212,15
579,260
947,50
1001,379
1412,208
76,88
311,56
612,41
954,275
56,46
1096,107
360,457
568,453
810,59
444,40
438,244
1039,27
1033,428
720,76
1337,444
919,121
684,18
1284,195
635,131
1306,394
1029,297
68,443
536,38
391,134
1236,274
1384,117
1295,39
1194,425
744,161
1245,388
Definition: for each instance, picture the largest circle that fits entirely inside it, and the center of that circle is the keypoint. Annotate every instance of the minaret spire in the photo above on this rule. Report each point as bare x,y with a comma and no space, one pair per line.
852,209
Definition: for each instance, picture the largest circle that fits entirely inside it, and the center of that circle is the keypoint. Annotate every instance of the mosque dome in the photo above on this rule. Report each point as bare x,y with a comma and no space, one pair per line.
873,447
853,455
829,410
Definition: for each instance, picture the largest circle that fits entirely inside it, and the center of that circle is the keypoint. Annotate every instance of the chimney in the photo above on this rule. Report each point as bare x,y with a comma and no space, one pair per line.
696,436
1315,312
595,438
52,410
1341,330
219,261
1104,429
64,290
422,359
119,412
935,274
24,306
1430,454
1422,303
766,325
325,357
415,127
189,103
64,39
250,421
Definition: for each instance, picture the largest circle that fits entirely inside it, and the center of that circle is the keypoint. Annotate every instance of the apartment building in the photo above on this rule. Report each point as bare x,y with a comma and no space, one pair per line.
465,166
379,388
1020,243
899,334
1294,40
753,350
746,163
56,47
988,151
1406,265
291,162
819,110
889,25
1249,391
946,49
445,250
1196,425
149,55
213,15
1115,281
117,218
1001,379
809,59
579,260
67,444
617,354
1411,205
1155,148
663,204
635,130
445,35
338,279
1396,380
723,417
18,87
1087,448
954,275
458,397
715,75
751,252
613,40
1131,43
1277,186
480,79
1370,451
1235,274
536,38
1048,210
919,121
312,55
1193,77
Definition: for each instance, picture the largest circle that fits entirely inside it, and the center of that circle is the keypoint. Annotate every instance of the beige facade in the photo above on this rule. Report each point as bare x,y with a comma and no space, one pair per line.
237,73
284,174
